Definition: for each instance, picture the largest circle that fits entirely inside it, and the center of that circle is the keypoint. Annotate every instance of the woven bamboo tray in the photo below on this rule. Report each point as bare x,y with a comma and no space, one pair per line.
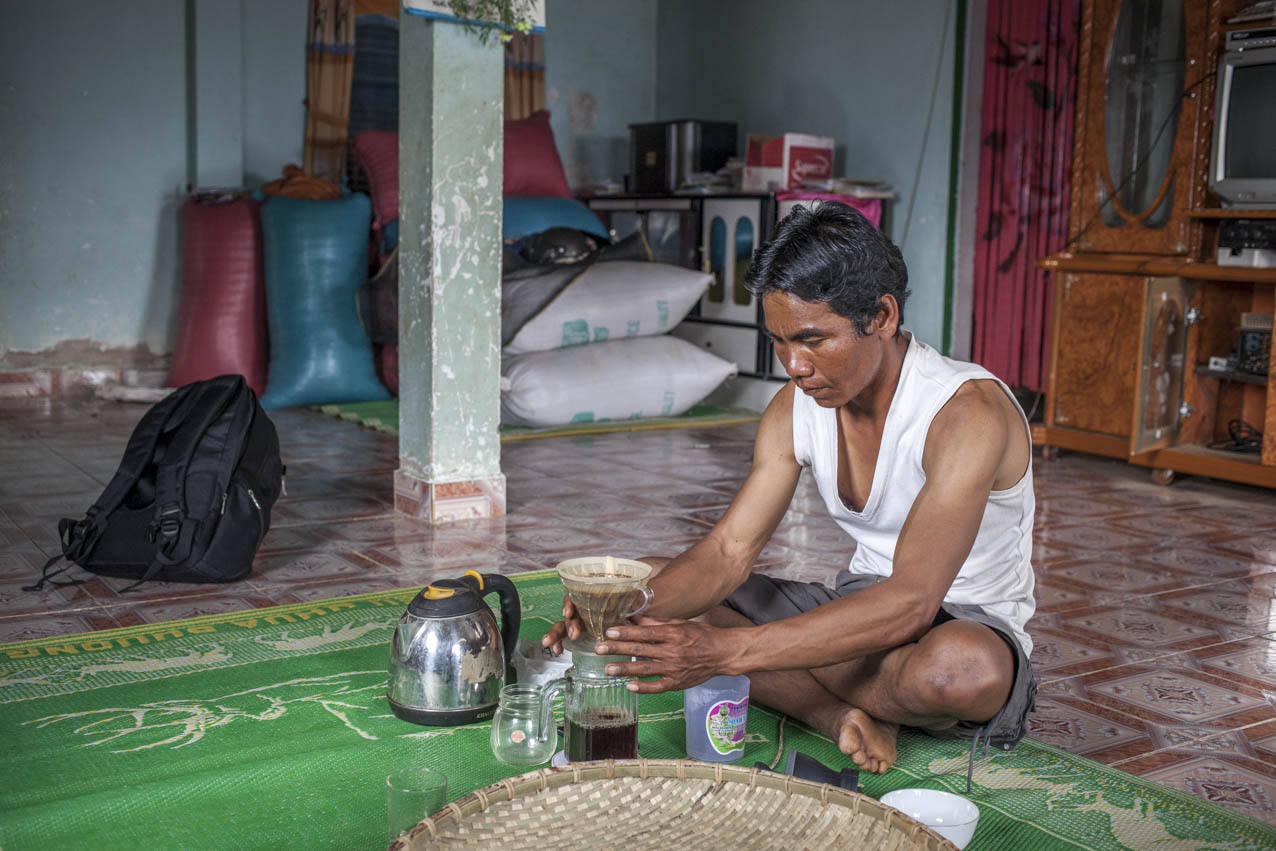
663,805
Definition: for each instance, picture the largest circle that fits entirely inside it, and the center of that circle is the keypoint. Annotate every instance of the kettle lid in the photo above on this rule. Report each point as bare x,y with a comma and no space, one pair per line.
448,598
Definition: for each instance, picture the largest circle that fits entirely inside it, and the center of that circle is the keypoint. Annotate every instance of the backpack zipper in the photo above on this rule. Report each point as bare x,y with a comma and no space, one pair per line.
224,495
261,518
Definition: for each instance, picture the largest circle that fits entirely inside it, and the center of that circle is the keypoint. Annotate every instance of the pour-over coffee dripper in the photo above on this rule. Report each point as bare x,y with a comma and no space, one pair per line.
602,587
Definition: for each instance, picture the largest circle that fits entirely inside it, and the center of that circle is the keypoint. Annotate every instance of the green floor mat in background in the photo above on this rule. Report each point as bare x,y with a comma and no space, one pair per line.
384,416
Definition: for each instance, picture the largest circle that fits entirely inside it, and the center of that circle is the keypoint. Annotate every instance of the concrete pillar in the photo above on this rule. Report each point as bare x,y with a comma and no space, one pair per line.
451,110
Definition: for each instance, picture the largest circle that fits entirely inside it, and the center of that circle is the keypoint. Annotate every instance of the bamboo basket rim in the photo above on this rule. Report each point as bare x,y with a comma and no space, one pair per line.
543,779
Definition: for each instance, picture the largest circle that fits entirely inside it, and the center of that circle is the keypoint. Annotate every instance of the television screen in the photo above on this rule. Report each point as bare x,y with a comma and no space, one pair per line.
1251,123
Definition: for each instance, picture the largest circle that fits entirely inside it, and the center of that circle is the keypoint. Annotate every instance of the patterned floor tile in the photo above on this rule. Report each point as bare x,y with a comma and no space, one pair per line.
1203,605
1233,782
161,611
1055,656
1141,627
46,624
1182,696
1093,538
285,567
1087,729
1252,662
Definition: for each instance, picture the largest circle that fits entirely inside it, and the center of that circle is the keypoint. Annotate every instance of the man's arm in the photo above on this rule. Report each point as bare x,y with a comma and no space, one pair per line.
965,455
965,452
709,571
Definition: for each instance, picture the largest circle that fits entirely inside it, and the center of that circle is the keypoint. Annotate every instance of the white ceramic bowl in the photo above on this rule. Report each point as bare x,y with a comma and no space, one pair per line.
949,815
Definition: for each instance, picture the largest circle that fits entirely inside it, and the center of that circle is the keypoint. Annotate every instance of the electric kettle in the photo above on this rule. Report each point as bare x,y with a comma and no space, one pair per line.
447,658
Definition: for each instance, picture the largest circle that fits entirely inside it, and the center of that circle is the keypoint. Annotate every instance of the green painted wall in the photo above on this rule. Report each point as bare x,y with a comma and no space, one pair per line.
600,77
857,70
95,137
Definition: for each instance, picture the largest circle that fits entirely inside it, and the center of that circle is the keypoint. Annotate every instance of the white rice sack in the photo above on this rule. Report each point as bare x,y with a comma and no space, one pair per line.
659,376
610,301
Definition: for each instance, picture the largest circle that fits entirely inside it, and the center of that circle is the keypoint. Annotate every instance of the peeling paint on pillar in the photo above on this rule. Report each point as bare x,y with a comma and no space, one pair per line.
450,178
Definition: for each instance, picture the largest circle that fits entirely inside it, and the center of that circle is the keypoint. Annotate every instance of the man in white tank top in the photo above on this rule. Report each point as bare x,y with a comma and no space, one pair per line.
925,461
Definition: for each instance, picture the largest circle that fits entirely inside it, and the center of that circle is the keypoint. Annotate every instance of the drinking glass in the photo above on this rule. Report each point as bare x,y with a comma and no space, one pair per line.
412,794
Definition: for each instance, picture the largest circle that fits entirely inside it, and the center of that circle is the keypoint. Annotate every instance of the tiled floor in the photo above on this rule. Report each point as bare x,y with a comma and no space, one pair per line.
1155,632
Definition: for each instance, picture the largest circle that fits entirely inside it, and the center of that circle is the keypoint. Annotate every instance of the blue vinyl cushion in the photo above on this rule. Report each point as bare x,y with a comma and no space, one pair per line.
526,215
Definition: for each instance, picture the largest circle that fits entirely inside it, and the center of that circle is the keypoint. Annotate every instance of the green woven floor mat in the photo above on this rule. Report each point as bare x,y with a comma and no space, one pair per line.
270,729
384,417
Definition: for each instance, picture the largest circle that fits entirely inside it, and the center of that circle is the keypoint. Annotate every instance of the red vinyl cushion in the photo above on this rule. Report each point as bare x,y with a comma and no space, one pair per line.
532,166
378,153
221,319
387,358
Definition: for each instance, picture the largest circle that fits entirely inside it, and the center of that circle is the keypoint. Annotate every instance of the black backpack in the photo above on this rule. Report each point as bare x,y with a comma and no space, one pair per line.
191,499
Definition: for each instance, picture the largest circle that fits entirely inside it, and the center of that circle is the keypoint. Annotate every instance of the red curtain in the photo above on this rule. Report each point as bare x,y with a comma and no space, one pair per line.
1025,167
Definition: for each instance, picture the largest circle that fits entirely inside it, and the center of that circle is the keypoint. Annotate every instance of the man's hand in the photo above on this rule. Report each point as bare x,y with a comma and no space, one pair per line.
569,627
681,653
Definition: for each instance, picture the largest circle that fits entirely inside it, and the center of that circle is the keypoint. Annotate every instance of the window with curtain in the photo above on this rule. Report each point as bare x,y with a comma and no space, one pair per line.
329,65
524,75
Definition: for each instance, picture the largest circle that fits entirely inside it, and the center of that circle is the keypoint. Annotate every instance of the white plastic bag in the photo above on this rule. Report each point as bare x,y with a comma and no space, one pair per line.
616,380
609,301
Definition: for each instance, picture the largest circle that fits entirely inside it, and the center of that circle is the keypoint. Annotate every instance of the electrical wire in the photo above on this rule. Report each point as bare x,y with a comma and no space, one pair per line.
1242,437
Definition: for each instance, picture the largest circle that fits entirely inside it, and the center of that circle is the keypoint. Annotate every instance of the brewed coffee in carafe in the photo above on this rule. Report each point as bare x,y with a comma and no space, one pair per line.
600,712
603,589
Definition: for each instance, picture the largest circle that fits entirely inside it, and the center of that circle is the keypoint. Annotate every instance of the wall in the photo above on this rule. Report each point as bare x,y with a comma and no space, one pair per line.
600,77
274,87
94,129
857,70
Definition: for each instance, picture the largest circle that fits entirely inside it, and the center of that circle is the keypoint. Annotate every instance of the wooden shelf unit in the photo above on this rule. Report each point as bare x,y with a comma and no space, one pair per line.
1139,305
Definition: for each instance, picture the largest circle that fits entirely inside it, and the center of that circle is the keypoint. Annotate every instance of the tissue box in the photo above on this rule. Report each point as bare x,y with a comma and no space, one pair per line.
785,162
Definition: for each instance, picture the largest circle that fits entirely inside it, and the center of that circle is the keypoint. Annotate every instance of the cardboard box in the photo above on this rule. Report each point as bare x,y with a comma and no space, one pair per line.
785,162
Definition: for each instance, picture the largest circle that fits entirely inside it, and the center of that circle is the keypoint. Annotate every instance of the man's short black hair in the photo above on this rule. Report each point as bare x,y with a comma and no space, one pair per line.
832,254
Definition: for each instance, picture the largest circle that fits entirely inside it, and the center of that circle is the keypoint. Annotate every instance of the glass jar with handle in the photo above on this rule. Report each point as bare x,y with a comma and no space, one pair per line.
523,733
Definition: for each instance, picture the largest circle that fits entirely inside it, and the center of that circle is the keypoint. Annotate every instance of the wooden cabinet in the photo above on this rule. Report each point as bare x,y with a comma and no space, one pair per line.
1139,307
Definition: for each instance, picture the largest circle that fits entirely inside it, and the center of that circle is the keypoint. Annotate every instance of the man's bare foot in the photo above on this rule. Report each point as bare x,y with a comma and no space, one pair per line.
868,742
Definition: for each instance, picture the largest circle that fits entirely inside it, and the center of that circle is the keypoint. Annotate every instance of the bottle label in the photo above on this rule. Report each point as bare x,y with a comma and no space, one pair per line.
725,725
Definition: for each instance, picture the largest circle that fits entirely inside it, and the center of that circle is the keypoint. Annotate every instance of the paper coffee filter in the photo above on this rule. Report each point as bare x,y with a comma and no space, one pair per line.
602,587
598,570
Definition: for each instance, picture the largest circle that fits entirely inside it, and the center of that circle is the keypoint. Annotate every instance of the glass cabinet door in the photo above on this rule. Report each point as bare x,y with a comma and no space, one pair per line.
1146,65
1162,352
1141,121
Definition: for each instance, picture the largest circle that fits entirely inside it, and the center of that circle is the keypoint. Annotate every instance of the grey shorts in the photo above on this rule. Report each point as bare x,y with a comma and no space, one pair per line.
763,599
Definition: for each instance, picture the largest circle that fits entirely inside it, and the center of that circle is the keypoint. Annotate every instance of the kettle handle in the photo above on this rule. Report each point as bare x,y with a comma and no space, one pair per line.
511,608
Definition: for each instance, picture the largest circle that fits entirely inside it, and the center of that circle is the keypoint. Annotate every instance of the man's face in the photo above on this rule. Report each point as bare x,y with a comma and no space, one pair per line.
821,351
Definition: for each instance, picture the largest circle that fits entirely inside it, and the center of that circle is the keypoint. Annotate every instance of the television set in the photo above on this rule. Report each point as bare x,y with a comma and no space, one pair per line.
1243,156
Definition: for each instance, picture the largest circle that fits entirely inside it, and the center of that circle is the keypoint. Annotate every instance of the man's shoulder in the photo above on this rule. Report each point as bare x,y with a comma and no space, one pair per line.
979,421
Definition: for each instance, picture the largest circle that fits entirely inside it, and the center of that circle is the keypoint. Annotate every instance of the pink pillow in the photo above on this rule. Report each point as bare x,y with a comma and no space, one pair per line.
532,166
378,153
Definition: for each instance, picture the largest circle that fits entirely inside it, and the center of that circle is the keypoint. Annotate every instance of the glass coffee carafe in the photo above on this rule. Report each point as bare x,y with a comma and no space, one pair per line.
600,714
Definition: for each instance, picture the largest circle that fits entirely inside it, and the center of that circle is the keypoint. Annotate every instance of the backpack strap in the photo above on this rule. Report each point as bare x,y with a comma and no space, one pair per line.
173,531
79,537
72,547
